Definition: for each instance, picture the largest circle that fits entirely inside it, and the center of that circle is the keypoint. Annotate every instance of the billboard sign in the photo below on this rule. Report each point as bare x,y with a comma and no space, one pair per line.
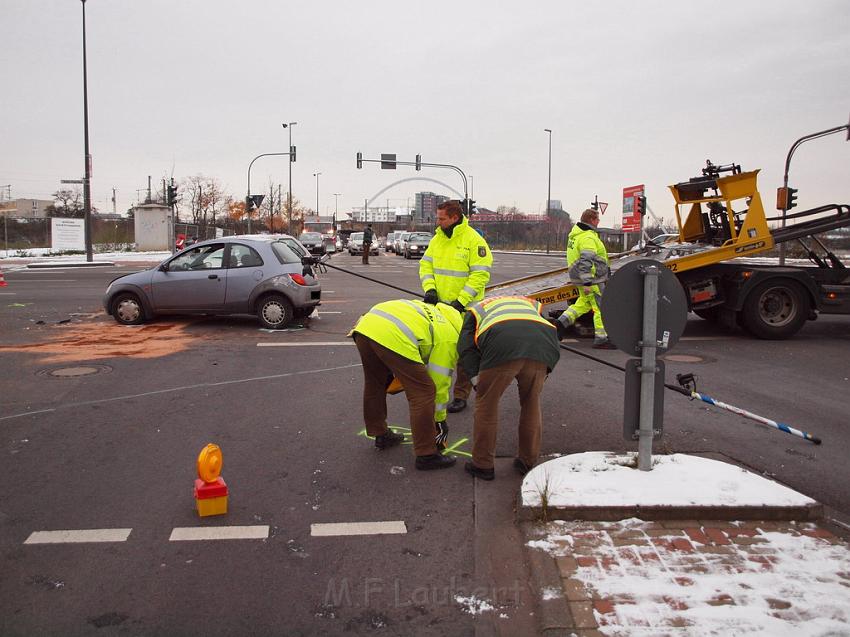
67,234
631,217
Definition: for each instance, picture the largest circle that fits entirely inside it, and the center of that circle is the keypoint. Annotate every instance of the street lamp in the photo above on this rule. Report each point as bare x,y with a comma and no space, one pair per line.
336,209
87,178
316,175
471,188
289,195
548,188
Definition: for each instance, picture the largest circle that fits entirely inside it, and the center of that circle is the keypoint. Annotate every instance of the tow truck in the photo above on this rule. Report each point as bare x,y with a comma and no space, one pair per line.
721,228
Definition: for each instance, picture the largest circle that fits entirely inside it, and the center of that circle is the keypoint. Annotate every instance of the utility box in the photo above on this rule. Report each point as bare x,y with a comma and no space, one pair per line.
153,227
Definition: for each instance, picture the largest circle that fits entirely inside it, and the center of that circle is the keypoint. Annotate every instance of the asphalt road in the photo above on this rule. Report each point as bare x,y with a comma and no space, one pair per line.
116,450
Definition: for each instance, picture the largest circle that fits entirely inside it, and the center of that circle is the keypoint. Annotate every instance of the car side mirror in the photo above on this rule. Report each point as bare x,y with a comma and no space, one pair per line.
163,267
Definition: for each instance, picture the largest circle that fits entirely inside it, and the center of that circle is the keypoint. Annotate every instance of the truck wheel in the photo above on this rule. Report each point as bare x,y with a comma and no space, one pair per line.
274,311
775,309
127,309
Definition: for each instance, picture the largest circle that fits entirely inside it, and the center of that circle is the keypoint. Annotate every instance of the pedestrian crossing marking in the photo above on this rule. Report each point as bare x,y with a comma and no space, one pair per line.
205,533
78,536
333,529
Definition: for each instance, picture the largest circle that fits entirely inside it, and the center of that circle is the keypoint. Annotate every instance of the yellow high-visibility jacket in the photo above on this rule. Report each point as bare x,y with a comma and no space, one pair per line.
458,267
420,332
583,239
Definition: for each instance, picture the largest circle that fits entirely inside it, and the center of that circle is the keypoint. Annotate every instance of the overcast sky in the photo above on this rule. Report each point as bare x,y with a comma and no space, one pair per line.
634,92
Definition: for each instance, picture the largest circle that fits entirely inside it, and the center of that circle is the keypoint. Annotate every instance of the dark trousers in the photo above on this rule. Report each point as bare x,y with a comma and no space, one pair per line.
379,364
492,383
366,248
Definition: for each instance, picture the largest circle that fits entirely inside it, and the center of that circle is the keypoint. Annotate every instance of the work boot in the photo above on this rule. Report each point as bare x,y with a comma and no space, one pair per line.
434,461
478,472
389,439
458,404
521,467
603,343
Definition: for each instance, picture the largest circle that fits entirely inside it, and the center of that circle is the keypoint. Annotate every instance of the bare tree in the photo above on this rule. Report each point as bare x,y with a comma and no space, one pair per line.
206,199
67,202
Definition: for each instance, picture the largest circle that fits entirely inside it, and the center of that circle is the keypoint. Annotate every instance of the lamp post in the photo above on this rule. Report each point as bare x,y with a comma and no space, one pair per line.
548,189
471,188
87,178
336,209
316,175
289,194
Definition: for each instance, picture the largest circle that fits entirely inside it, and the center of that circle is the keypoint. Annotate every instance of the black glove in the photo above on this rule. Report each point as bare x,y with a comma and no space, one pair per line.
442,435
457,305
431,297
562,331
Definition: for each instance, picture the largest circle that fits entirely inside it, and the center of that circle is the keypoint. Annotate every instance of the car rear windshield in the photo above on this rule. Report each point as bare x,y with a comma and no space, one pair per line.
422,236
284,253
357,235
311,236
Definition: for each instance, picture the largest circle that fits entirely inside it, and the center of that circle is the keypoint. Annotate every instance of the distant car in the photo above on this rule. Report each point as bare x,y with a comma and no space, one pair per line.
390,241
313,241
251,274
416,244
355,244
399,242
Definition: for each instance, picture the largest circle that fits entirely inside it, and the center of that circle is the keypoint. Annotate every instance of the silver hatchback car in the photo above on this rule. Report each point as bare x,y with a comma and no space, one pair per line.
252,274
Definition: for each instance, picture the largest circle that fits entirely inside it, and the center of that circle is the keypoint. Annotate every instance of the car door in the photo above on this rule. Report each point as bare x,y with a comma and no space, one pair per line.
244,272
194,280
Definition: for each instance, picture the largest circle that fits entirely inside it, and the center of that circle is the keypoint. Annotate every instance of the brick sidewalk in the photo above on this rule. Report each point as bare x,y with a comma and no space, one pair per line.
699,577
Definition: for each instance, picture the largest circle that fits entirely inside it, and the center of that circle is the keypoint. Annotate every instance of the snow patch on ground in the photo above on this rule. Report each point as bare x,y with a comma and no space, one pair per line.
473,605
600,478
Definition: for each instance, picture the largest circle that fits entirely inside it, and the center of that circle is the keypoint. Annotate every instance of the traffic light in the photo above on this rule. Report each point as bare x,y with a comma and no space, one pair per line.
419,162
249,204
360,160
792,198
595,203
640,205
171,195
292,154
468,207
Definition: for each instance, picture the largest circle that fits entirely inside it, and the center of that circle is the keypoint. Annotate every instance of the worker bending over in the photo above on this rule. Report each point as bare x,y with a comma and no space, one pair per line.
502,339
417,344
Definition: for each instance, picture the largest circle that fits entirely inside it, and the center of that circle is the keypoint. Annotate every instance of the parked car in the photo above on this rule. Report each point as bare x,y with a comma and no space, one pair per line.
416,244
250,274
399,242
355,244
313,241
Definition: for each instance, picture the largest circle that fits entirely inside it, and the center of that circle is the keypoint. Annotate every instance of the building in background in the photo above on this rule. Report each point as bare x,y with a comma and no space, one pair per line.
426,206
25,208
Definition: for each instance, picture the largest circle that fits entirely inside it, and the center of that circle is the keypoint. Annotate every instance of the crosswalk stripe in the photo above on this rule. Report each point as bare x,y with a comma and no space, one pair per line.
78,536
192,533
358,528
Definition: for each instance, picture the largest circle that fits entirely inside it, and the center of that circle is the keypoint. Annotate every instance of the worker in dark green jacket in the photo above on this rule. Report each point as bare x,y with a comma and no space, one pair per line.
502,339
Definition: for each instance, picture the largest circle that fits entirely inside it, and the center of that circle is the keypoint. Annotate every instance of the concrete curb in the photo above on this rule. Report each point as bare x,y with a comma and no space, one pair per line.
806,513
555,619
86,264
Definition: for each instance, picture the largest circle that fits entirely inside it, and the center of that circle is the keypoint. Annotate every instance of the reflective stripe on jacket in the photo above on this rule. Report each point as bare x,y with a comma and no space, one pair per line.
505,308
420,333
458,267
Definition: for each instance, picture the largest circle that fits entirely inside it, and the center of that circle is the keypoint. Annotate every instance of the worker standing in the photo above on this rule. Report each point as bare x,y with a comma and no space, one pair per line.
587,259
455,269
368,237
415,343
502,339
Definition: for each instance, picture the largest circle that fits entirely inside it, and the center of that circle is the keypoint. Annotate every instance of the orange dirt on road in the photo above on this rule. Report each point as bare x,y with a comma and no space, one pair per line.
98,340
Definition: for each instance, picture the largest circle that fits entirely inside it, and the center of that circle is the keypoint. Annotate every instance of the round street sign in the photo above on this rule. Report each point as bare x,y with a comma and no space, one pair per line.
622,307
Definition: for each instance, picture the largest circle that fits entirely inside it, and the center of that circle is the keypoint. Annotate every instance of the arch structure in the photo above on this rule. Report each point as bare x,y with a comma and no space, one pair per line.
406,179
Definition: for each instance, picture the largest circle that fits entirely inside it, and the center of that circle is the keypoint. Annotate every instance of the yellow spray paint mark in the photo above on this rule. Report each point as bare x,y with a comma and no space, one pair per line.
408,440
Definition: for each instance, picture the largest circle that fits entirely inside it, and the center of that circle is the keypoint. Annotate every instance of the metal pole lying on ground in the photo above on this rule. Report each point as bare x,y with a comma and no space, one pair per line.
694,395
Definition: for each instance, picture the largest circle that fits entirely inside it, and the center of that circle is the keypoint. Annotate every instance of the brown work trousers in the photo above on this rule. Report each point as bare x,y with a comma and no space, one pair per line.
379,365
492,383
365,258
463,386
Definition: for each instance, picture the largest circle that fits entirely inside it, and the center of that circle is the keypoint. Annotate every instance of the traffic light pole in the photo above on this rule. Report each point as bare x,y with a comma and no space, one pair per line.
248,198
417,165
805,138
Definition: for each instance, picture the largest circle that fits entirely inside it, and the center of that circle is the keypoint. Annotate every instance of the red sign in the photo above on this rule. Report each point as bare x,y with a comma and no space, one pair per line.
631,218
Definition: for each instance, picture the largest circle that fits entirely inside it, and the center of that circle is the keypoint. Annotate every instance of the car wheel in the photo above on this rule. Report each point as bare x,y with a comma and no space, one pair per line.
274,311
127,309
775,309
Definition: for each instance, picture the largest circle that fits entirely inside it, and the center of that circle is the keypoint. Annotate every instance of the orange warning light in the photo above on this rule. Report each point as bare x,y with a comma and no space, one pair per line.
209,463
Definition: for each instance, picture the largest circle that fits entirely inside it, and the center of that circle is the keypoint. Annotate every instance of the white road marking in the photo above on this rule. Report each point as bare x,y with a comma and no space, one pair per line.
328,291
50,281
8,293
328,312
78,536
357,528
191,533
704,338
316,343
